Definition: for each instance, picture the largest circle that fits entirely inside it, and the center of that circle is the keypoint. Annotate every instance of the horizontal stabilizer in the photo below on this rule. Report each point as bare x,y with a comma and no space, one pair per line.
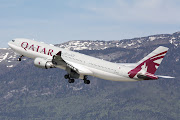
164,76
147,76
150,63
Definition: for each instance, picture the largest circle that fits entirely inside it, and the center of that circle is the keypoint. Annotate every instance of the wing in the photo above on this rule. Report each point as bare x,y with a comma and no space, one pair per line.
80,69
58,61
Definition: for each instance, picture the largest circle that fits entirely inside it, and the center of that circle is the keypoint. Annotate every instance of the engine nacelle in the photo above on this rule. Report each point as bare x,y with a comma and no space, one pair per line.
43,63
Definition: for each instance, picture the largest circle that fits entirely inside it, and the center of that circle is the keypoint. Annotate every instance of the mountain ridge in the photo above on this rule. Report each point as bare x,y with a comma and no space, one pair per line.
27,92
125,43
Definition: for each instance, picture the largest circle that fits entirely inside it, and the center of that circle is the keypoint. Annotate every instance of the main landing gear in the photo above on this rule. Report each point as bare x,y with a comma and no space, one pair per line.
70,80
19,59
86,81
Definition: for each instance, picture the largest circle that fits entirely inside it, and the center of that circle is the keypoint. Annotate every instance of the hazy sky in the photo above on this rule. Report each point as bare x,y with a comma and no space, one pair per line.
57,21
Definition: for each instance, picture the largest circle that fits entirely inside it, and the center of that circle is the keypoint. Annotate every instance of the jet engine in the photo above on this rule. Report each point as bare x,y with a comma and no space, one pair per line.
43,63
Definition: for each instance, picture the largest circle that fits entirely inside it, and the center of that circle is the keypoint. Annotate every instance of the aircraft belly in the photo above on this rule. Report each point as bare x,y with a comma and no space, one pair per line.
109,76
61,67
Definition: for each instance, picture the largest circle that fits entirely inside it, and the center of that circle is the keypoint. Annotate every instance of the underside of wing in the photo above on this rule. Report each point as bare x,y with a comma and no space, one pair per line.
79,68
58,61
69,65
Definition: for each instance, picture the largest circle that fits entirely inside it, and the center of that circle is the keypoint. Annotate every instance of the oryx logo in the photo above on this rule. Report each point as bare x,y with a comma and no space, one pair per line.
150,65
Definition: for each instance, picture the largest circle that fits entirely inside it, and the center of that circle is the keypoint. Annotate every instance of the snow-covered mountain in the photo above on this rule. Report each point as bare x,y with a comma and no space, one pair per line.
8,57
127,43
29,92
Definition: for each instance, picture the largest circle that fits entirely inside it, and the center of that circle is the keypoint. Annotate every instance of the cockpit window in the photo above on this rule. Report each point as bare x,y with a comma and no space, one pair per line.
13,40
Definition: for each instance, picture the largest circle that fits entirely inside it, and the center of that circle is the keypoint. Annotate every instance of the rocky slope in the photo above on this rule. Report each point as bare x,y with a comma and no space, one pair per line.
27,92
128,43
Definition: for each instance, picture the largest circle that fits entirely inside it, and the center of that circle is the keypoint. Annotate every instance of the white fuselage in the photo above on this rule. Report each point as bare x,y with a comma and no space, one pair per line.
99,68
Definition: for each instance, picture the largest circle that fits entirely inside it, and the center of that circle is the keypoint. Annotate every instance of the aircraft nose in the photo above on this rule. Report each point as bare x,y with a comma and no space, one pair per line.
10,43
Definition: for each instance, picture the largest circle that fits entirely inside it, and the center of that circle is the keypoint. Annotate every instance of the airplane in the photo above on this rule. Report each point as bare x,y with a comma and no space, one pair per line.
80,66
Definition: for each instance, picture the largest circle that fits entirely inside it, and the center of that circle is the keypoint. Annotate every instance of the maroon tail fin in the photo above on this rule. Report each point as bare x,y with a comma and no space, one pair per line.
150,63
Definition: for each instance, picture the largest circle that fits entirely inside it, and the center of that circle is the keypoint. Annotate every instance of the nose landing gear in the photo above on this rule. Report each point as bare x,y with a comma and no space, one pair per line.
19,59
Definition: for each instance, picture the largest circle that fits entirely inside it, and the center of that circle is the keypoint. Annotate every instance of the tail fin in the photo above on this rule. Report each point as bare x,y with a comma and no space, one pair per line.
150,63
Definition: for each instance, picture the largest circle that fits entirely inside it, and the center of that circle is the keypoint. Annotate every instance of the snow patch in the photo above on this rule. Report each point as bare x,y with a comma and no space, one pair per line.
152,38
171,41
173,38
176,45
106,48
24,89
76,89
162,37
139,41
10,66
177,60
3,48
51,44
8,96
11,82
131,44
3,57
12,57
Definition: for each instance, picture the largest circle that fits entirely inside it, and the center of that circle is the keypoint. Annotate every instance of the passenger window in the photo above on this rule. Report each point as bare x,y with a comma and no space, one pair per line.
13,40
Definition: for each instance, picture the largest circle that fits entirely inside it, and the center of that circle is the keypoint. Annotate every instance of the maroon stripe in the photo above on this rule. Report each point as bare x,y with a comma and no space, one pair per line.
157,58
160,54
156,64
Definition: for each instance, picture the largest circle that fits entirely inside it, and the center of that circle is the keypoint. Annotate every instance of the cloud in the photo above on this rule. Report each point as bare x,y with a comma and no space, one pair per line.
152,11
59,21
